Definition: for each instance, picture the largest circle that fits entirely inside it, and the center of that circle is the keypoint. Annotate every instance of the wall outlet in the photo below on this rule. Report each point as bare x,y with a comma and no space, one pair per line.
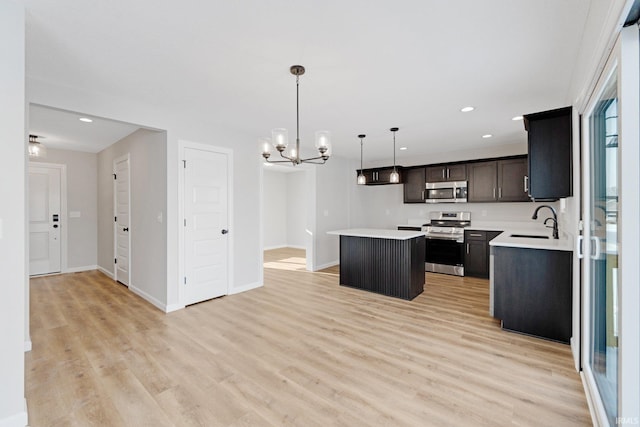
159,217
388,212
483,213
326,212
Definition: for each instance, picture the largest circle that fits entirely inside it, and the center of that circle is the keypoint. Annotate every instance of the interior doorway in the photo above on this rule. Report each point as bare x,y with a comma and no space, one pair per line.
287,208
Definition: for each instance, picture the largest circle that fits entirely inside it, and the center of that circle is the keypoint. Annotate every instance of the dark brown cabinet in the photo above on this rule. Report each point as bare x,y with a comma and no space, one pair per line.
512,180
502,180
414,184
443,173
532,291
380,176
549,144
476,257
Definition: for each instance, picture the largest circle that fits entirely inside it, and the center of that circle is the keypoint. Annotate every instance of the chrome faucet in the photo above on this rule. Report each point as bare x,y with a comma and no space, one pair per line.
554,219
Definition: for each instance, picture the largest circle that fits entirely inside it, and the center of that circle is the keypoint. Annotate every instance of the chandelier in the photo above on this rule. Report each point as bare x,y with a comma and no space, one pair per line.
280,138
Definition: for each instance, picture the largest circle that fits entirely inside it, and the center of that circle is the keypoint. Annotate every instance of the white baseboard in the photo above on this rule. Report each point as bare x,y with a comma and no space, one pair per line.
80,269
21,419
268,248
327,265
245,288
284,246
149,298
105,272
27,345
173,307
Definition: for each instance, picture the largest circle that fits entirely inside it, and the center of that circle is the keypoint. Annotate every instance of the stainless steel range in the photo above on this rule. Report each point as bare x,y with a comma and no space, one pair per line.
445,242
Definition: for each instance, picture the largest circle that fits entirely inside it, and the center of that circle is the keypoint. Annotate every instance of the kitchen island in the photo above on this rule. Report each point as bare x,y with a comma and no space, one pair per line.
388,262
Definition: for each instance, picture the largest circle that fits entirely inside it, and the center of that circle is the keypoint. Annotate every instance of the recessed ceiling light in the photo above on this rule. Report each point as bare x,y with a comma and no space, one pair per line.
467,109
487,135
403,148
516,118
85,119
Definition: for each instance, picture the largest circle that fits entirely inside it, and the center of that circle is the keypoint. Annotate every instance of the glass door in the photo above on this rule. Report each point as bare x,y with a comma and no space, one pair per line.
603,259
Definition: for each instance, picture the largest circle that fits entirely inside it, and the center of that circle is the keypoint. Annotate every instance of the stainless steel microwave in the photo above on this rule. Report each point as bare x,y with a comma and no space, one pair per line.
446,192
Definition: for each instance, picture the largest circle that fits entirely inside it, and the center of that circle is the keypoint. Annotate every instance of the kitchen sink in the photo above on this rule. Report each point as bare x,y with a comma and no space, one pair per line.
530,236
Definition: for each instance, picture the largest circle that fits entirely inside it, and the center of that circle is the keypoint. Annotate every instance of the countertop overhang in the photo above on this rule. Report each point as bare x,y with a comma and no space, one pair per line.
378,233
564,243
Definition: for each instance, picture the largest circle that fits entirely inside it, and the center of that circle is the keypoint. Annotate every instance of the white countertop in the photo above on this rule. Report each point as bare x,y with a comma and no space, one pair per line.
378,233
564,243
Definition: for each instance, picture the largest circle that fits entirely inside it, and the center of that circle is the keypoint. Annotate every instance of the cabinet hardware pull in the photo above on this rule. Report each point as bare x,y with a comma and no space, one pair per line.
422,194
475,235
442,173
448,172
467,248
500,193
526,184
494,192
579,248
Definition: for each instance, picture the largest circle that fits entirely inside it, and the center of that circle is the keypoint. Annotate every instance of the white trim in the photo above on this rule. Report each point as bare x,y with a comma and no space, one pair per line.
629,156
106,273
327,265
269,248
28,345
596,409
20,419
149,298
127,158
81,269
246,288
182,145
173,307
63,210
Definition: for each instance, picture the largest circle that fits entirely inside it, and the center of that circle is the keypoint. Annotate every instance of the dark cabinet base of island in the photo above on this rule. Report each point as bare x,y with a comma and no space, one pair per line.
532,291
390,267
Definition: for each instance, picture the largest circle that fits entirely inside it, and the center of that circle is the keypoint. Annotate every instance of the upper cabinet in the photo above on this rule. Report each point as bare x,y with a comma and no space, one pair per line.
503,180
414,184
442,173
381,176
549,141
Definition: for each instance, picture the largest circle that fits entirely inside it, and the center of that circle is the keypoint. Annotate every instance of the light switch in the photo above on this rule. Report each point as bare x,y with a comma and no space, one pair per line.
326,212
159,217
74,214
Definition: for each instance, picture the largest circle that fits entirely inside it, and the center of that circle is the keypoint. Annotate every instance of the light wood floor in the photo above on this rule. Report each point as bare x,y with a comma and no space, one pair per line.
300,351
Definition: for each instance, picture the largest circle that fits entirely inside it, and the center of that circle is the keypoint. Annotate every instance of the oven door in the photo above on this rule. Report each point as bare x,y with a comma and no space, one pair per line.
447,253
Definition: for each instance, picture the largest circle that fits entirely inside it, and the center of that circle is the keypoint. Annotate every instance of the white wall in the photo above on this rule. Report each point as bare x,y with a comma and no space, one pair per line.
148,183
285,218
275,209
82,187
331,210
296,209
13,233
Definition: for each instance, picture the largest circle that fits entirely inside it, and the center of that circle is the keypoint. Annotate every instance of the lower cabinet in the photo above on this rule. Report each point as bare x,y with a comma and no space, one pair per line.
533,291
476,255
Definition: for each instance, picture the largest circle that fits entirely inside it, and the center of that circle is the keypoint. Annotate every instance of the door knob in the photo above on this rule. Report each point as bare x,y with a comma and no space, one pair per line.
224,231
55,225
126,229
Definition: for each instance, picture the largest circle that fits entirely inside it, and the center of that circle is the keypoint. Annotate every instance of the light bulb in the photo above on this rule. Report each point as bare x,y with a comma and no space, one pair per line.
394,177
362,179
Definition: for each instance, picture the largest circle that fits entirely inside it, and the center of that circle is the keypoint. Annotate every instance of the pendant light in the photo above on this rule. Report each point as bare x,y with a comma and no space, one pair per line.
280,137
395,176
35,148
361,178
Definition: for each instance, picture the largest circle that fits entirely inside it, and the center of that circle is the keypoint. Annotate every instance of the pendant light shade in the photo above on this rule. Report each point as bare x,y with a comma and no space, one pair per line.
36,150
362,180
395,176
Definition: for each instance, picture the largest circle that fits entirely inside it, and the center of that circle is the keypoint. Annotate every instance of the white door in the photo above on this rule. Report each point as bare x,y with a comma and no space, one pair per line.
122,219
205,222
44,220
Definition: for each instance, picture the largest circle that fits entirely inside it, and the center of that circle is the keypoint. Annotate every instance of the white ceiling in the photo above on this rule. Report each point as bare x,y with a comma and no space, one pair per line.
370,65
63,130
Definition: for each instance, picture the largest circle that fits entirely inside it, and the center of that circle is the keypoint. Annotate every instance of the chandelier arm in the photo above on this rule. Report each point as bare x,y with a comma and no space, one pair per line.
277,161
311,161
